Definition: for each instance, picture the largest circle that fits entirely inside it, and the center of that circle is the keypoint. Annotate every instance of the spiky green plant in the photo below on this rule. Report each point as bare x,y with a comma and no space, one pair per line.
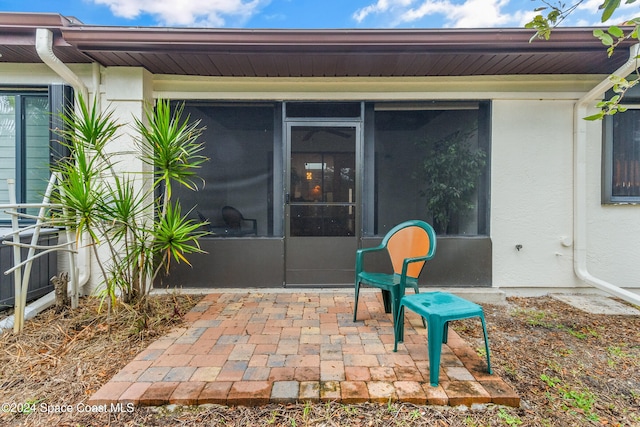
140,231
170,145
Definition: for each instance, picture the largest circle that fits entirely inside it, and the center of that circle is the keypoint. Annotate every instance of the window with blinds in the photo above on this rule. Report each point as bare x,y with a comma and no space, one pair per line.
24,146
621,155
30,122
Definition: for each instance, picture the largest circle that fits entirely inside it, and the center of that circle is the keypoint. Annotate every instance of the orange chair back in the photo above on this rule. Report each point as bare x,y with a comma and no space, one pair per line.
408,242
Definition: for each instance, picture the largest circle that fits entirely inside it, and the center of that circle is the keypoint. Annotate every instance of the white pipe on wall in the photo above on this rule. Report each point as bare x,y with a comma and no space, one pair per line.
580,182
44,47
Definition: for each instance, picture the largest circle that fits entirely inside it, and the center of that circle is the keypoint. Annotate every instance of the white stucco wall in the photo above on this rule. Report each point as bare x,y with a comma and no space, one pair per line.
532,203
531,193
125,93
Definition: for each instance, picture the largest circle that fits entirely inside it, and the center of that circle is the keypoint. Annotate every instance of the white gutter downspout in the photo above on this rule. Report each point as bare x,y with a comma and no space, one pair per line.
580,182
44,47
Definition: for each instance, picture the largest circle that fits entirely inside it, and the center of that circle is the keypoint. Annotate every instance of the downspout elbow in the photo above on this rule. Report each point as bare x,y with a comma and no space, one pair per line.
580,183
44,47
583,274
624,70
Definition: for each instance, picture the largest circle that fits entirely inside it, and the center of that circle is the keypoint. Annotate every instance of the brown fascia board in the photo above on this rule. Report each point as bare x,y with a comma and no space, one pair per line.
205,40
19,29
147,39
25,36
34,20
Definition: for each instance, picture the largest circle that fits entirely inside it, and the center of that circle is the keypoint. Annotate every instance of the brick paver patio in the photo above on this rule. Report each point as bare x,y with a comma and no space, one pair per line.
259,347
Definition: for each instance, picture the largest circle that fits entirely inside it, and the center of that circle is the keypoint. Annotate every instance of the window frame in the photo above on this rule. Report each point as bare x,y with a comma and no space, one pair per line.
60,99
607,197
371,226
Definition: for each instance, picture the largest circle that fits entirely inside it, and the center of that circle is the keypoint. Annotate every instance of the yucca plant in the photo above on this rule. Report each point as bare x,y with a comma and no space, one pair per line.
139,226
170,144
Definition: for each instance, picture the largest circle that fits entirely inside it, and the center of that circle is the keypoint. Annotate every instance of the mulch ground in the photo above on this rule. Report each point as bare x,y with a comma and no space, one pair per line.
571,368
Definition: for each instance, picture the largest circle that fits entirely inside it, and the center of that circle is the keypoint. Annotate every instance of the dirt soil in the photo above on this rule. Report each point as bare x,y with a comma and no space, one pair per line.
571,368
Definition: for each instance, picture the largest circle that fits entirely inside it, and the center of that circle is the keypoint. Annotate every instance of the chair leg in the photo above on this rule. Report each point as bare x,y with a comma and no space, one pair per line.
486,344
424,321
355,305
398,328
387,301
445,332
434,343
394,302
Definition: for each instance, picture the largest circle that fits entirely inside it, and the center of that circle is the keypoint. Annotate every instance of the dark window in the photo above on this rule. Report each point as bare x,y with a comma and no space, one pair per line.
431,162
239,141
621,177
26,122
29,118
323,109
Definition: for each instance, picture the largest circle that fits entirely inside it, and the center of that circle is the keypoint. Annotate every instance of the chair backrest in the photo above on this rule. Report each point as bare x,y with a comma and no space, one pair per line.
410,239
232,217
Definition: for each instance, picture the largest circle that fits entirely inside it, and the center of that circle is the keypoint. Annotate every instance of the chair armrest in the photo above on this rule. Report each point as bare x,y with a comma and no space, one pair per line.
405,266
360,256
407,261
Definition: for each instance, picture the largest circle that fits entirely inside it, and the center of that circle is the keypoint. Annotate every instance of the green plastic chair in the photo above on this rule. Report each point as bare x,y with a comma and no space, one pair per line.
438,308
409,245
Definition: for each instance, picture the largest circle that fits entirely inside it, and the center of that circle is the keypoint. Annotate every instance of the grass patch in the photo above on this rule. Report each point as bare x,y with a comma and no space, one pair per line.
573,401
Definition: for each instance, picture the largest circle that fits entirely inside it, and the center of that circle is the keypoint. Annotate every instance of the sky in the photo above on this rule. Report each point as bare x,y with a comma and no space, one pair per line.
312,13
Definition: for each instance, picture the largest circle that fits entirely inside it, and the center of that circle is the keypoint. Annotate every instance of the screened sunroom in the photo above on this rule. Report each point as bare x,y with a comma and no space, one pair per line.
292,189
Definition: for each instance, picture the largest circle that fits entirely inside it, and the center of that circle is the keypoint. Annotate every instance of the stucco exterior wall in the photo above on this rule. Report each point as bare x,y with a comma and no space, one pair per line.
532,202
125,92
531,193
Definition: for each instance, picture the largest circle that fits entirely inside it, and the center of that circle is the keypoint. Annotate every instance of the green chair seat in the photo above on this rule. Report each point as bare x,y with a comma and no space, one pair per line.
390,286
438,309
409,245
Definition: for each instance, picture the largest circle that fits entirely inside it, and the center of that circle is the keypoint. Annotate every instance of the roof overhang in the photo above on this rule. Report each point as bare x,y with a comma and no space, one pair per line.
311,53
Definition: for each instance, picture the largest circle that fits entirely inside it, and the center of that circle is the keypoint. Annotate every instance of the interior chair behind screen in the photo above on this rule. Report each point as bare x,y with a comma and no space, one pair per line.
409,245
235,221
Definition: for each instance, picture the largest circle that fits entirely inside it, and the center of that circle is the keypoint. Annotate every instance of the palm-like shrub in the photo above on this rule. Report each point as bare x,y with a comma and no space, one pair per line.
130,216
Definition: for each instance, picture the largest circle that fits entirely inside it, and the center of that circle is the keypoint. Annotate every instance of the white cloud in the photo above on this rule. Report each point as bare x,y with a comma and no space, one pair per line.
454,13
470,14
186,12
381,6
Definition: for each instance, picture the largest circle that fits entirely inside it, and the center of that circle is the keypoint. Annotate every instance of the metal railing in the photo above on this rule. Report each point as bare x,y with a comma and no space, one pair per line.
22,268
